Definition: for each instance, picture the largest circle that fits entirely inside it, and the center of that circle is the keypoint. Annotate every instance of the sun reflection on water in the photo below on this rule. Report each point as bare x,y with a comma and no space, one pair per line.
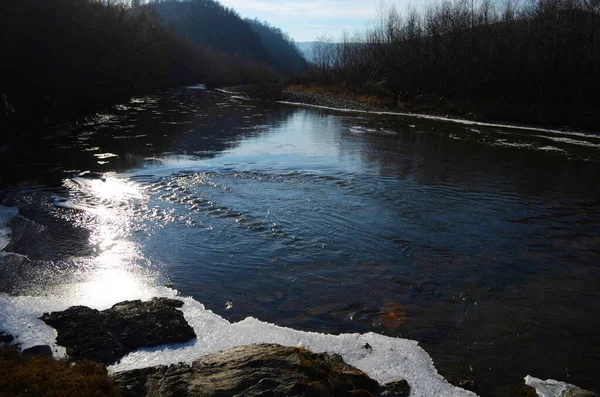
107,287
109,188
118,271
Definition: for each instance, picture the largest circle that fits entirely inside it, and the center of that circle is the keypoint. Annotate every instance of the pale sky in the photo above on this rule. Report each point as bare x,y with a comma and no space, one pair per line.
305,20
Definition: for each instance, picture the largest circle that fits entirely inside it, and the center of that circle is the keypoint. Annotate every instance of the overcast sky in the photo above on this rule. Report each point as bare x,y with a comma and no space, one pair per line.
305,20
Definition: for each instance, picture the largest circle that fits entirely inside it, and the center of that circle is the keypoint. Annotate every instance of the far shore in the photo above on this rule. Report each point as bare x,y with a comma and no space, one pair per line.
556,117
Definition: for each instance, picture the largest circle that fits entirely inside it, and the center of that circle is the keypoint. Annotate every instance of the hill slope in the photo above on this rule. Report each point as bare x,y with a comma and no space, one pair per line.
208,23
287,55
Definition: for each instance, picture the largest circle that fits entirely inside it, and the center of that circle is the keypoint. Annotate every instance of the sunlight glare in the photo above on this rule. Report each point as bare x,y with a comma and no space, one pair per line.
111,189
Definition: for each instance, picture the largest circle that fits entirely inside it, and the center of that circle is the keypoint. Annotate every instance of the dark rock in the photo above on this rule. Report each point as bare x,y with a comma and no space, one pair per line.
39,350
395,388
255,370
6,338
106,336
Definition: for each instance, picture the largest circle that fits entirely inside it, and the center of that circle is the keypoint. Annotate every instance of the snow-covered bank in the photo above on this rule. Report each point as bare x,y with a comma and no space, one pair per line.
385,360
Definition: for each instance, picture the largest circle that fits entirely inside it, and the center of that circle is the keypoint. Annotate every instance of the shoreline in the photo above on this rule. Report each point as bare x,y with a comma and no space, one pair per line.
254,368
382,362
471,113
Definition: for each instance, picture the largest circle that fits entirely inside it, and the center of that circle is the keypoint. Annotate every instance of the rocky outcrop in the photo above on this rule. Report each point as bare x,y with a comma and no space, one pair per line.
106,336
257,370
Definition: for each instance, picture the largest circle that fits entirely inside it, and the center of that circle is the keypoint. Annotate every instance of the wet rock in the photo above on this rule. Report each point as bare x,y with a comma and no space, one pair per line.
106,336
39,350
396,388
255,370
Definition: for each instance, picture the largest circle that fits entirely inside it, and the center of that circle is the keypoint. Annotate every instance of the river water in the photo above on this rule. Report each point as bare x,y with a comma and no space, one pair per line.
482,243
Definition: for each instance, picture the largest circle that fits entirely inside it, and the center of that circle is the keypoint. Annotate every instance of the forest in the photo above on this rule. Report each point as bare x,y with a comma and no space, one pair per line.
539,59
65,58
533,61
208,23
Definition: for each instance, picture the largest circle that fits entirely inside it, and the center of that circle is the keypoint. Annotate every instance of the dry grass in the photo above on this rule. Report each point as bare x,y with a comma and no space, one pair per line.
41,376
342,93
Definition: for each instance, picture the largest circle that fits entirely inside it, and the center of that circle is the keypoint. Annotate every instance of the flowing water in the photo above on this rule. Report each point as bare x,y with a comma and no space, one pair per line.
480,242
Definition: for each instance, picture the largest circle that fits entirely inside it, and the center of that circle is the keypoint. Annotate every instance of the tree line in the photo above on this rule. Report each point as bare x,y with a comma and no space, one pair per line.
69,57
535,51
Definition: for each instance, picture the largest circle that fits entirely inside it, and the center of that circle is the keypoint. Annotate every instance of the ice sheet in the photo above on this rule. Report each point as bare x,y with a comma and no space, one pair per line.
549,387
6,213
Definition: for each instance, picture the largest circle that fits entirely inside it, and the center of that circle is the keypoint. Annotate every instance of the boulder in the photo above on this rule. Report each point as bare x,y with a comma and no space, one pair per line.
106,336
39,350
254,370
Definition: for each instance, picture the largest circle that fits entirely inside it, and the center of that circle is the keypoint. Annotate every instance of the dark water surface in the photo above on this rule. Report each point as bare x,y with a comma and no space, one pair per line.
487,237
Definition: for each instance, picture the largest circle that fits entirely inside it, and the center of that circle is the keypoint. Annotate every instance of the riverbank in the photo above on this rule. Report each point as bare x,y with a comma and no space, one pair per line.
95,339
561,117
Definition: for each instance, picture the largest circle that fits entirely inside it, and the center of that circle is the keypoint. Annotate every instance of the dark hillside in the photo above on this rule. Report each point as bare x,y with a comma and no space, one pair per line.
288,58
208,23
61,59
78,51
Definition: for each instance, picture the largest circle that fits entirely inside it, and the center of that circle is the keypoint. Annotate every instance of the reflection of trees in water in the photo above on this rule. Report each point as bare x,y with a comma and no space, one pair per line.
438,153
181,122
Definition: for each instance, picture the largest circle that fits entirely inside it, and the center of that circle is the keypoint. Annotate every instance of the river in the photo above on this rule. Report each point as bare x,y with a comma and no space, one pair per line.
480,242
